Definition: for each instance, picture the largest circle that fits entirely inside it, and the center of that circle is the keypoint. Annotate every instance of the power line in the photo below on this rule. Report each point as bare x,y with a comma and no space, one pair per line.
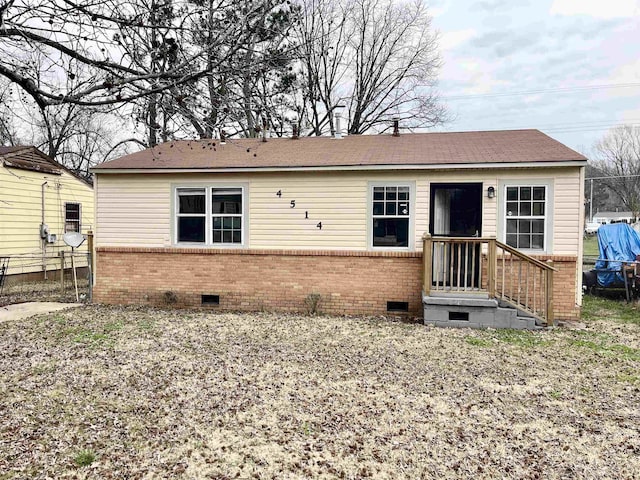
569,129
543,91
612,176
566,128
587,123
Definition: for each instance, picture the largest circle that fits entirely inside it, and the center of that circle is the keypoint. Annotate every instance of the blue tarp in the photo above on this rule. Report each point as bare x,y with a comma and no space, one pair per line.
618,243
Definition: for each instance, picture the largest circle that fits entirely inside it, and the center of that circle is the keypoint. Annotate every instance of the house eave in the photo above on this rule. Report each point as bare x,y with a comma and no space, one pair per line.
457,166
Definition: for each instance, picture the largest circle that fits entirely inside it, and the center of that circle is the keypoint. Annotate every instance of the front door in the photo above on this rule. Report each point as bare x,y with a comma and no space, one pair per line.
456,211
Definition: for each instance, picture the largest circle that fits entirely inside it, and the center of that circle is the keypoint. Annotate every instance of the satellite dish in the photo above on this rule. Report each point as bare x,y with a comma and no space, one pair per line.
73,239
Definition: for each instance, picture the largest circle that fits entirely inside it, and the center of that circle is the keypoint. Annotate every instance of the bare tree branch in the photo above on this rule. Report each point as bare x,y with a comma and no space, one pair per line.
377,56
101,39
619,159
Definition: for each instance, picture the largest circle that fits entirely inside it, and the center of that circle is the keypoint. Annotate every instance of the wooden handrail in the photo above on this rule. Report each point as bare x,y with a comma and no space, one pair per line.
426,272
524,256
549,285
492,267
510,275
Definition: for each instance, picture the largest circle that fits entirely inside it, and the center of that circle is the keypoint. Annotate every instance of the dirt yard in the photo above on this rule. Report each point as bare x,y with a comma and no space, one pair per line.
103,392
43,292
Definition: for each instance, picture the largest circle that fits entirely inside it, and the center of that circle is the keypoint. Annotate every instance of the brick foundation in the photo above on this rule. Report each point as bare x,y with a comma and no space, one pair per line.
565,284
353,283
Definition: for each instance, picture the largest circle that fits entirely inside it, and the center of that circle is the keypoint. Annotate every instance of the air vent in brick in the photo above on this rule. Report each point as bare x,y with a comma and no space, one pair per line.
398,307
210,299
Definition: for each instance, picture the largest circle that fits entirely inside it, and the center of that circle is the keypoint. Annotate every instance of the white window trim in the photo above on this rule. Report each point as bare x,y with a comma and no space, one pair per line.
64,227
208,222
412,214
549,205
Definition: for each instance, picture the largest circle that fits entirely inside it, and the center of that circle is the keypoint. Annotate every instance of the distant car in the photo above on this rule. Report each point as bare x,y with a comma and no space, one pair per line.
591,228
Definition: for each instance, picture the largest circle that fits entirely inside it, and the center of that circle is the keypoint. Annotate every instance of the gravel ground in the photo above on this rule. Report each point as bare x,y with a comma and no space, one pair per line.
109,392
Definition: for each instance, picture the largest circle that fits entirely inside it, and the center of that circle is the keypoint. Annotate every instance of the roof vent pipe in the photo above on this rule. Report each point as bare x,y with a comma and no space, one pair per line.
337,134
264,129
396,127
295,134
223,137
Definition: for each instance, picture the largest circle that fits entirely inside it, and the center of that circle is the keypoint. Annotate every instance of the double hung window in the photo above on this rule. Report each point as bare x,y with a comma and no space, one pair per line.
227,215
391,212
72,217
526,215
210,215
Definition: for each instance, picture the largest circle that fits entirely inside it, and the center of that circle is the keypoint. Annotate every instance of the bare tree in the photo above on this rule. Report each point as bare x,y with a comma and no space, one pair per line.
84,139
185,67
256,77
8,131
74,136
379,57
618,158
91,43
323,31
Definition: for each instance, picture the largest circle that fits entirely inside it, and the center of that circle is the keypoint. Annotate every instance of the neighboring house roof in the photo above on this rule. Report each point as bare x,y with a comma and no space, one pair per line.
422,150
30,158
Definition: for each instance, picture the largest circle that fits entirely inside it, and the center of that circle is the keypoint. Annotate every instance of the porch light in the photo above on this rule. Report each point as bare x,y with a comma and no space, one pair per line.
491,192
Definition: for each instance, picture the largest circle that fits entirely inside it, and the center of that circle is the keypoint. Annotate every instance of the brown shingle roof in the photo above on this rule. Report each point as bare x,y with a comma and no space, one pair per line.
420,149
28,158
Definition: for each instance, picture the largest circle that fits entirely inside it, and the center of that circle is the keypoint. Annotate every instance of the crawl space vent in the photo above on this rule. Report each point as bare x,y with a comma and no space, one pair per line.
210,299
398,307
460,316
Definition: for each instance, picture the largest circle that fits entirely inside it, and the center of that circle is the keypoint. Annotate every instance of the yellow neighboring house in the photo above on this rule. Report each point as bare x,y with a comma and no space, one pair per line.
40,201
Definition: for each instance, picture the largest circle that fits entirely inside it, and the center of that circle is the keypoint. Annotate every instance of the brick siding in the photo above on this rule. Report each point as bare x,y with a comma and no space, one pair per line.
565,284
352,283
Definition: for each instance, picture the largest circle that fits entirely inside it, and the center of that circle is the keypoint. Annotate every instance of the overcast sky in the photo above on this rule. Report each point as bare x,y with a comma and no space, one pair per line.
562,52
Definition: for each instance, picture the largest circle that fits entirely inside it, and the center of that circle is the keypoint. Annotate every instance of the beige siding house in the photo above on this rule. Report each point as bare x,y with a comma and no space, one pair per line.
248,224
40,200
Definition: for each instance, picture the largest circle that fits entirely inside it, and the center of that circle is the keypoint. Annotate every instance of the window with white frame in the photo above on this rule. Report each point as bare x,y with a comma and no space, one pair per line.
391,209
227,215
526,216
192,215
72,217
210,215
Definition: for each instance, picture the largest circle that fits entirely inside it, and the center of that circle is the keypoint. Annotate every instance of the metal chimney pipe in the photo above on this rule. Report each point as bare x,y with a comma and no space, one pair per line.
337,134
396,127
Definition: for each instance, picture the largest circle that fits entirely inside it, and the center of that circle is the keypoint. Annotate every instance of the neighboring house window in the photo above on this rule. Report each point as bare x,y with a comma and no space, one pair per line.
391,215
218,221
71,217
526,213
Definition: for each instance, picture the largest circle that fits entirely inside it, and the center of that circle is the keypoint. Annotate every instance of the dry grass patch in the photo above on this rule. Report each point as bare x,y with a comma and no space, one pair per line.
104,392
49,291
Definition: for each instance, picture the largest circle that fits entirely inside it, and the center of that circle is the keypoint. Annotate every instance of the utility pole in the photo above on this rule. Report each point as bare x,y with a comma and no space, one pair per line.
591,203
602,178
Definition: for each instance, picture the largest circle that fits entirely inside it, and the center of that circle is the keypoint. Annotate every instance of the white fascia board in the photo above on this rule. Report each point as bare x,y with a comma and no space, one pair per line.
456,166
